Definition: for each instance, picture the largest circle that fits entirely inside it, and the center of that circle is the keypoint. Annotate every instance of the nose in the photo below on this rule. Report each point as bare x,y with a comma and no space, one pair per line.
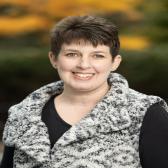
84,63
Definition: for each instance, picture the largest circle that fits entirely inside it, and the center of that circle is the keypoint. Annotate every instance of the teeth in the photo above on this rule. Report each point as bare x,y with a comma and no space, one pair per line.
83,75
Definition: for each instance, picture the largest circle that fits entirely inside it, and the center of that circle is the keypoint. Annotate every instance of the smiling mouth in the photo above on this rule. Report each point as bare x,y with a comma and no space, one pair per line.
84,76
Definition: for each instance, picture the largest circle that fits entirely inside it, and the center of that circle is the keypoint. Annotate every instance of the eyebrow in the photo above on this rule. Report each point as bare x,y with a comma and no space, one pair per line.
73,50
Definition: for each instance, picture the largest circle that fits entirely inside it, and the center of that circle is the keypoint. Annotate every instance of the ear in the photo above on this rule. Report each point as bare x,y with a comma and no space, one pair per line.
116,62
52,59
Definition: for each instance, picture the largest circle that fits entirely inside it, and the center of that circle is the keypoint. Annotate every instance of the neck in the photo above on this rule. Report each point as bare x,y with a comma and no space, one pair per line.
84,97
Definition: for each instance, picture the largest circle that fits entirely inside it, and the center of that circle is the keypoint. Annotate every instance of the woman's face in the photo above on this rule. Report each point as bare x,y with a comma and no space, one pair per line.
84,67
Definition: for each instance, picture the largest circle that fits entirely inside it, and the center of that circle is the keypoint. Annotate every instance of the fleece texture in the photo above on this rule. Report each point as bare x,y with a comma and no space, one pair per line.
107,137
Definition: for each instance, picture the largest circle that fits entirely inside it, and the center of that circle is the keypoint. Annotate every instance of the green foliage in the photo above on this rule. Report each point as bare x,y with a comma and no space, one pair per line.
23,70
146,71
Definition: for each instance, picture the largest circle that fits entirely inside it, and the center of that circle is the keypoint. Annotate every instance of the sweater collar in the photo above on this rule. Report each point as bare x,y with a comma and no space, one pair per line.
109,115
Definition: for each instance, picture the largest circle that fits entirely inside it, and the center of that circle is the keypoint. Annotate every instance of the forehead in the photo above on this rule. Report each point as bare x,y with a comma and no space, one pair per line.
84,46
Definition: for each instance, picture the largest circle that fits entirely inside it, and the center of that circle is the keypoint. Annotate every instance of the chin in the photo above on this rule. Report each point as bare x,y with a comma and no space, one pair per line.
83,89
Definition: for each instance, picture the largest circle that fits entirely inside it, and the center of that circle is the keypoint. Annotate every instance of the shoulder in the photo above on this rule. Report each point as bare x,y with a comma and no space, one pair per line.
18,113
140,100
140,104
156,119
34,98
19,110
153,147
134,95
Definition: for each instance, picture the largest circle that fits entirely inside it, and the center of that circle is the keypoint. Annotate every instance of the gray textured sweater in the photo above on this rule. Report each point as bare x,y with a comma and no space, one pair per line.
108,137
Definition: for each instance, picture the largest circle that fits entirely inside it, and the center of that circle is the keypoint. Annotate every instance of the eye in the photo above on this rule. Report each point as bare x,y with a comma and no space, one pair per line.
99,56
71,54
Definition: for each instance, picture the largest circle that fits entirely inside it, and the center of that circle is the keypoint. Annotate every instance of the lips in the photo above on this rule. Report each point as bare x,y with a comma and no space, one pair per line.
83,75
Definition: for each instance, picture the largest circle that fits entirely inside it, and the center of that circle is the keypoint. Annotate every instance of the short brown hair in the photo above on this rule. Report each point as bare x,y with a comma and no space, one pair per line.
94,29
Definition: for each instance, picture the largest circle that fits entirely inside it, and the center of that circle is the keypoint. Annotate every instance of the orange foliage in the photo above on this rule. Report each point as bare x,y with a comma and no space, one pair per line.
61,8
134,43
65,7
10,26
15,2
39,10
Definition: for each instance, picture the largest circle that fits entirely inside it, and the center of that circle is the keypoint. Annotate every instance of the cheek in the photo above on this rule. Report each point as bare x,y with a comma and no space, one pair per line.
104,68
65,65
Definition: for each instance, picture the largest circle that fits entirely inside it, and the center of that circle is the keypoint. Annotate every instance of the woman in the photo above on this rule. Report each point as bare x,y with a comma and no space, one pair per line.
91,118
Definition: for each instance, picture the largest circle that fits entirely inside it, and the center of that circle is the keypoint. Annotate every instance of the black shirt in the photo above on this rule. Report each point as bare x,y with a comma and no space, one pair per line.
55,124
153,143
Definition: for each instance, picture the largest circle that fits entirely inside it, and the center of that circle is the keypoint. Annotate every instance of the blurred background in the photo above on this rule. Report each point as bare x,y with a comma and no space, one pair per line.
24,44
